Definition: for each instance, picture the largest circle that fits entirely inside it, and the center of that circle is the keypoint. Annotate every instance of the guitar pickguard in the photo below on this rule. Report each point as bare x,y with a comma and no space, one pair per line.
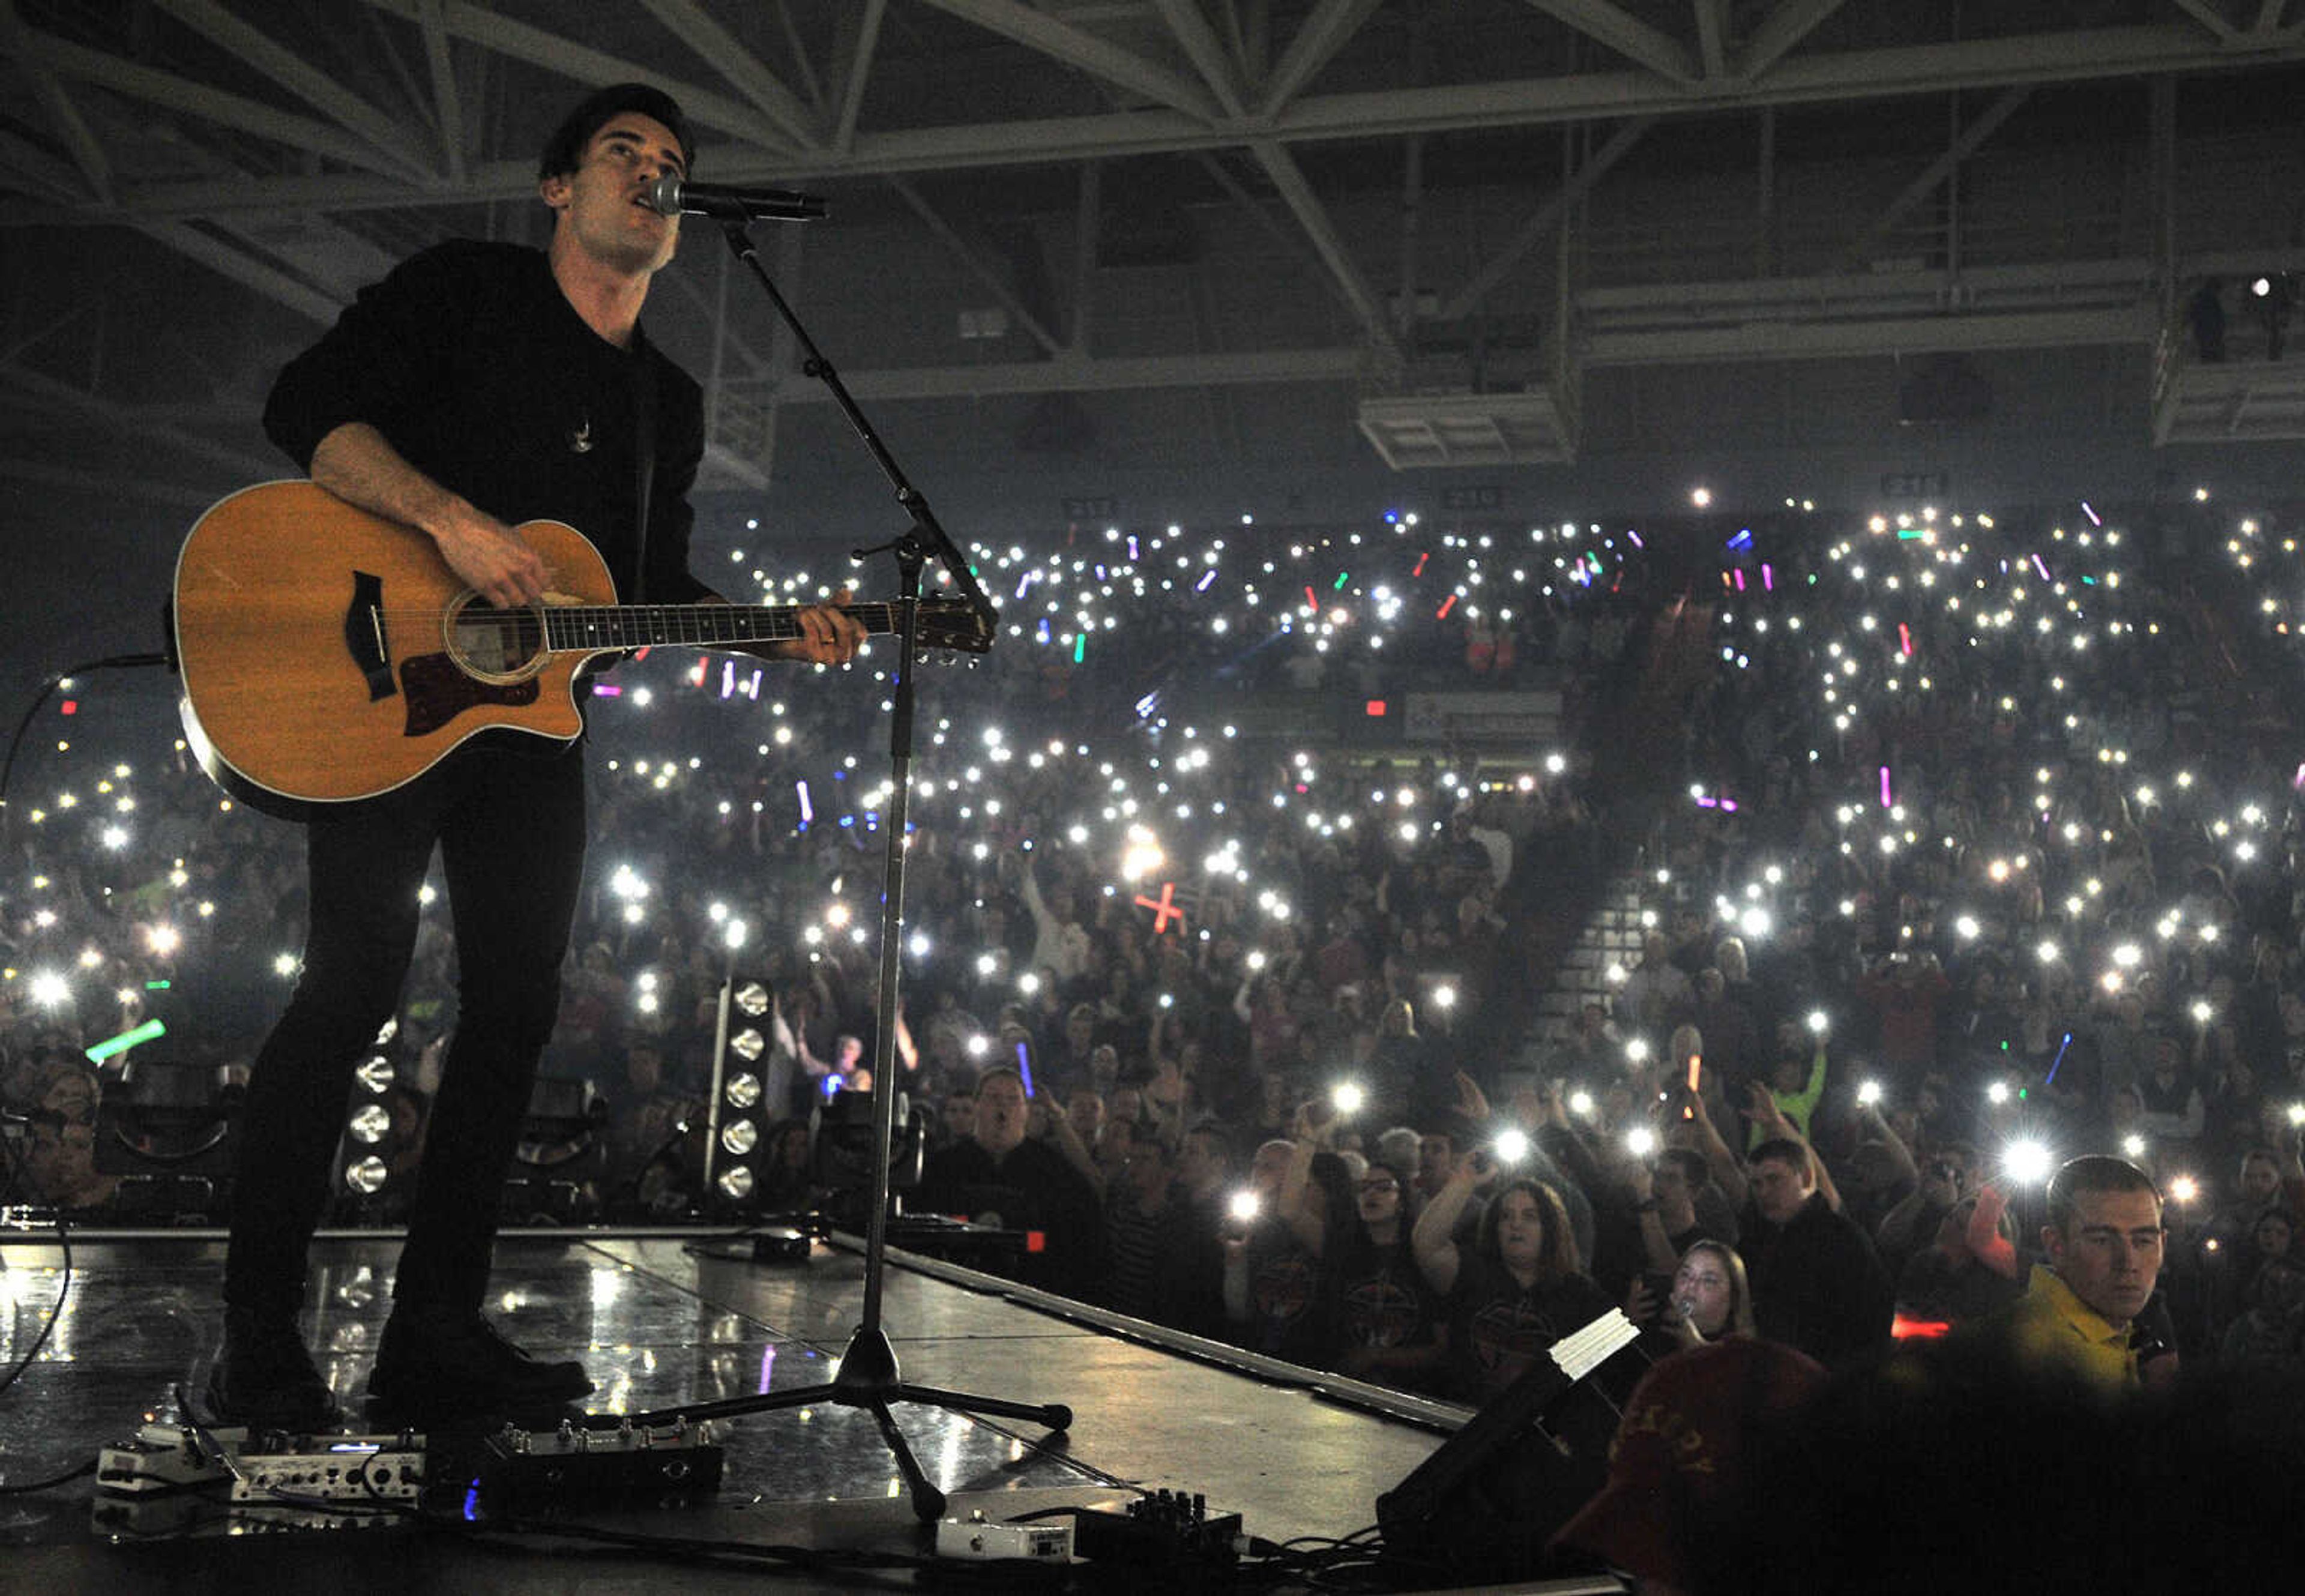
438,693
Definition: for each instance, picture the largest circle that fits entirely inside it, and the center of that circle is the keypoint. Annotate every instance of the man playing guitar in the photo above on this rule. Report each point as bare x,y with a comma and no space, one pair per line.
477,385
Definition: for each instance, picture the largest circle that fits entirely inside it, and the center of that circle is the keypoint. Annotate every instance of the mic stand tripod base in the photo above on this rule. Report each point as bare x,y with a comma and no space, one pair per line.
869,1379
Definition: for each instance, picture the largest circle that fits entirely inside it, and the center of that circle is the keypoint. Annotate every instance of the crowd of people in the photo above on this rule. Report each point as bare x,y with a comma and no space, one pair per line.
1983,867
1976,869
138,893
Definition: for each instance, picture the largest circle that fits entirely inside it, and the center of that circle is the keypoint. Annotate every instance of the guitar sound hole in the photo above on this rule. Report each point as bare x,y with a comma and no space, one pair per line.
495,644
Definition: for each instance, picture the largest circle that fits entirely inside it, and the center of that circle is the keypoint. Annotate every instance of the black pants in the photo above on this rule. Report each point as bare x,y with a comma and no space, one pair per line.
510,828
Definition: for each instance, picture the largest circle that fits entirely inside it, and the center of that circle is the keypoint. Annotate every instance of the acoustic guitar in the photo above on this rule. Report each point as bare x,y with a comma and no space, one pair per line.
329,656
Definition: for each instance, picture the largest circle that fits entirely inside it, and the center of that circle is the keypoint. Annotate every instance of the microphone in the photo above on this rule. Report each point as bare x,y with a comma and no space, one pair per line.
669,196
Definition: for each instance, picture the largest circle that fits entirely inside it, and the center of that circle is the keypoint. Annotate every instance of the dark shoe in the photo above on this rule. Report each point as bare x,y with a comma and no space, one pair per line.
437,1361
265,1380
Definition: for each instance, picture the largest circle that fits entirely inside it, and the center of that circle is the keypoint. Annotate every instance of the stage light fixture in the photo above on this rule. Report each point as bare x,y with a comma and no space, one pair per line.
736,1139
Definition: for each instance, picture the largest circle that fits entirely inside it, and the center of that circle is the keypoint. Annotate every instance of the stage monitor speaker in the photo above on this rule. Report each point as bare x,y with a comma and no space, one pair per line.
1481,1508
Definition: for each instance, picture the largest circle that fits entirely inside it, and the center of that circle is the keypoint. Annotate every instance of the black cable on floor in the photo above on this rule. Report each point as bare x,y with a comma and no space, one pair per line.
63,1240
80,1472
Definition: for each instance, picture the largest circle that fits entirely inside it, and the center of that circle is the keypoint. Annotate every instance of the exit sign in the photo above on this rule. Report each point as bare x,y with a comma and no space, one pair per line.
1915,484
1473,498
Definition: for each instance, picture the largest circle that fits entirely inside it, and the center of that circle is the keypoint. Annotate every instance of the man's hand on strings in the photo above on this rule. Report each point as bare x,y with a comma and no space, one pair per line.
829,634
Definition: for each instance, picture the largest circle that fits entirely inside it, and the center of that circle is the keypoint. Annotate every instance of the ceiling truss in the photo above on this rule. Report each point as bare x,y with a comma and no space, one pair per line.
786,94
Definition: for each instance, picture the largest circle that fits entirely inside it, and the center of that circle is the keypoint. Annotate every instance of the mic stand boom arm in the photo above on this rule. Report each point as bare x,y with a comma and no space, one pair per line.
928,535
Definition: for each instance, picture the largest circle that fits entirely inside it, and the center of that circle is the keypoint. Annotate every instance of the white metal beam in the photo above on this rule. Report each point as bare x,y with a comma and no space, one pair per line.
245,269
713,309
595,68
1087,213
87,150
1627,35
2206,14
715,45
1546,218
855,70
300,77
1789,22
1112,374
112,485
2268,15
1711,32
1190,27
448,100
1077,47
983,271
1988,123
130,418
1888,72
35,167
1901,335
175,93
1327,242
1316,42
720,457
1902,71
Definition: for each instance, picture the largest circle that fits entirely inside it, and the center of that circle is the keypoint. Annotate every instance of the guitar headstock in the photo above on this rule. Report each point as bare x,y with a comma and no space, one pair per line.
951,624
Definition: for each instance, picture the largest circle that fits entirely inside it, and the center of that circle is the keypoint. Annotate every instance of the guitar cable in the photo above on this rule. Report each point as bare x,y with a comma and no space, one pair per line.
15,1160
110,662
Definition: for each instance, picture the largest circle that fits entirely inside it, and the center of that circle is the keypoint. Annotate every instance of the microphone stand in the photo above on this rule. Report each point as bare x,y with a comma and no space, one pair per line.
868,1376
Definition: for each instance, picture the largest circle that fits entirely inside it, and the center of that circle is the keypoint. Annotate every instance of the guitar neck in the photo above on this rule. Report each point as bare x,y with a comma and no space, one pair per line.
583,628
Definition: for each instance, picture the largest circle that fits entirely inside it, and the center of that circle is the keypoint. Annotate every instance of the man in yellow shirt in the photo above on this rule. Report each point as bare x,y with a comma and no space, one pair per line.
2104,1239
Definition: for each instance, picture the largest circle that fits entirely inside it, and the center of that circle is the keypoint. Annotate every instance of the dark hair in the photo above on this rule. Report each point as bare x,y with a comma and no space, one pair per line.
1340,1218
1387,1167
1784,1149
1694,1169
2092,1173
1556,1253
564,150
1148,1142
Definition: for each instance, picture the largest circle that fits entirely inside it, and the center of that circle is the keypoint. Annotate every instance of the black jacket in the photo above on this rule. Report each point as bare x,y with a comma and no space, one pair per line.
1816,1283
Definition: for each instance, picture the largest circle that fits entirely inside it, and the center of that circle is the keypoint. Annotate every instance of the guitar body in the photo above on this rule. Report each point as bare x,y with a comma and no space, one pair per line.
329,656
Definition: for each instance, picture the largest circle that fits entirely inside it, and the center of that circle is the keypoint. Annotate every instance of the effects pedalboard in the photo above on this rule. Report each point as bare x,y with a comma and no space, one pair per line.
166,1459
511,1471
522,1471
173,1480
1168,1534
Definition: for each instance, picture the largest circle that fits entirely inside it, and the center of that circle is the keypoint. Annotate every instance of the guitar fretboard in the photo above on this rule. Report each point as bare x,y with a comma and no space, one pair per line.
689,625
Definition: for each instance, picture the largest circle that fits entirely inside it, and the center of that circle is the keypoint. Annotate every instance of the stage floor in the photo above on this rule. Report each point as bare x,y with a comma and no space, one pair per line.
660,1327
